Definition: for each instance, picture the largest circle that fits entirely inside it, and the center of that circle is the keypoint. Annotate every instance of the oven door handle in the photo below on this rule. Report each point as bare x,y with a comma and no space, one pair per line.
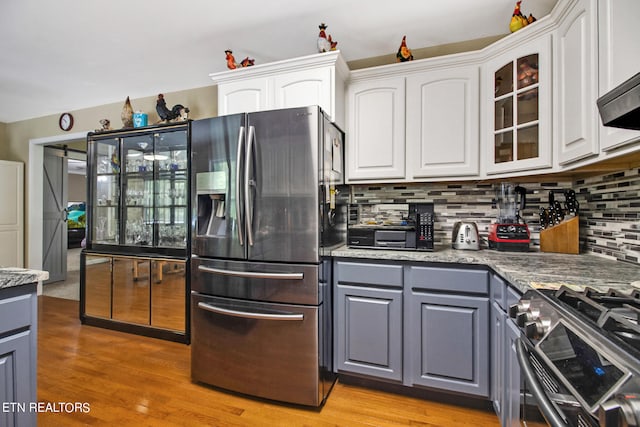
253,274
549,412
248,314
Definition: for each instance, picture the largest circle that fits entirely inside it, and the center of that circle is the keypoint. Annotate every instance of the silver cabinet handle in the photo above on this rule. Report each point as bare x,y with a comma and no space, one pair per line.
248,314
248,214
239,184
253,274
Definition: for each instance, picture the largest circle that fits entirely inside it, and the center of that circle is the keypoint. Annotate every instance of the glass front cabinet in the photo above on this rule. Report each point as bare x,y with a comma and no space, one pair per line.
133,267
518,108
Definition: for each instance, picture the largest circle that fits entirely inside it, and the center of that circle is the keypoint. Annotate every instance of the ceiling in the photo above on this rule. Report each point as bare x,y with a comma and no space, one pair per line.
66,55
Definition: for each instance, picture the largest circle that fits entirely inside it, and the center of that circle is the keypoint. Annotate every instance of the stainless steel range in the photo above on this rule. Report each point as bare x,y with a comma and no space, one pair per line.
580,355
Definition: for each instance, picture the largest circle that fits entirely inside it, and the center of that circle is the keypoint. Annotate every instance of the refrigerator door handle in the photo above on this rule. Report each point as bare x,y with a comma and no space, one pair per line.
253,274
248,314
239,185
248,206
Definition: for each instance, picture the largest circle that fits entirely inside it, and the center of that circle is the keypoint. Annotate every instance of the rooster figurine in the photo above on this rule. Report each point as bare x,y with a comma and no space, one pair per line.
404,53
518,20
231,61
247,62
324,45
178,112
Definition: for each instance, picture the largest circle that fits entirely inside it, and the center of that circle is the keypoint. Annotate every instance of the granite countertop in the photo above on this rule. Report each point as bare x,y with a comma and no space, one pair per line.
523,270
13,276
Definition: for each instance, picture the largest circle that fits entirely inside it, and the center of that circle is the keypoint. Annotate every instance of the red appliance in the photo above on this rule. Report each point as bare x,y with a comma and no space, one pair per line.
509,232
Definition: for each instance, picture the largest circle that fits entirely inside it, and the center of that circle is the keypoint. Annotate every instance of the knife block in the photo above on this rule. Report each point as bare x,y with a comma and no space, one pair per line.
561,238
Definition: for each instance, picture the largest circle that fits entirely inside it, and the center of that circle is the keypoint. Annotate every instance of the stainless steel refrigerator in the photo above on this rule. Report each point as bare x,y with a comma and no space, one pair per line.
267,211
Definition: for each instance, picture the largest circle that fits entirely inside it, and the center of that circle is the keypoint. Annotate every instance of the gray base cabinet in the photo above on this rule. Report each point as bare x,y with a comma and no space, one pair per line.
368,314
505,371
18,355
448,329
416,325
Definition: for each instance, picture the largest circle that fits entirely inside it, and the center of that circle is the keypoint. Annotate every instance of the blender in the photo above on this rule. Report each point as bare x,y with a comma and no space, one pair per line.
510,232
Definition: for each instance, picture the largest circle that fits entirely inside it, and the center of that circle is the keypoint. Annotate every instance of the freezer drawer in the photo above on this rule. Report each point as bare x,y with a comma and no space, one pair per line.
261,349
283,283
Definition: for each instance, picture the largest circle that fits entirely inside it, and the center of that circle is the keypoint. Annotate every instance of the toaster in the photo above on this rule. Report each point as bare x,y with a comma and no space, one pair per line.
465,236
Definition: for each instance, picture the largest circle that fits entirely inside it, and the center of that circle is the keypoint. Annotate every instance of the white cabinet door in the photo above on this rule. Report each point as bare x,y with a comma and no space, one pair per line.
517,107
304,88
576,114
11,214
443,122
619,50
376,131
244,96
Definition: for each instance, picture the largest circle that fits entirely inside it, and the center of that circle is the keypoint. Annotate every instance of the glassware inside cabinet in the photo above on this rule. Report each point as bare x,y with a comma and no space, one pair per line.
171,188
106,194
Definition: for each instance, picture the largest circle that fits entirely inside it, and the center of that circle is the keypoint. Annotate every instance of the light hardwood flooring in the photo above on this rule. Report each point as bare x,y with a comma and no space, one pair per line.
130,380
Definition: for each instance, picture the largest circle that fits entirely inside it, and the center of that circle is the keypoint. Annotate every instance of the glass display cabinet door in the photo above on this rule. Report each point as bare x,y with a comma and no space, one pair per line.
138,187
516,135
171,192
105,198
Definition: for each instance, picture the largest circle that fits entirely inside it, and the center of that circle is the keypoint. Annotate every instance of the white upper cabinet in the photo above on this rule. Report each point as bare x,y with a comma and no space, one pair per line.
443,122
243,96
619,51
575,93
517,106
376,130
310,80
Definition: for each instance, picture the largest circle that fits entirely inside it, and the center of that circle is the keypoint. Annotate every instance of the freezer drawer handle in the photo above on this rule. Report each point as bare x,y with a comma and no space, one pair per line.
253,274
249,315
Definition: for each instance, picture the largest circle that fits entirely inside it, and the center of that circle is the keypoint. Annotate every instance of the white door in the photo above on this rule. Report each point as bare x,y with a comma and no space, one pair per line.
11,214
54,206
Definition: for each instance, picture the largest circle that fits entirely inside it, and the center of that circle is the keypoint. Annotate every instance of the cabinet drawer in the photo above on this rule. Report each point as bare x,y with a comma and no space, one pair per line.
369,274
15,313
450,280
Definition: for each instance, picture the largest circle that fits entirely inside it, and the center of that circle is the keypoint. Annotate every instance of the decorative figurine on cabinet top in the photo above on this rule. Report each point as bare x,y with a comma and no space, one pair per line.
178,112
325,43
231,61
127,114
404,53
106,125
518,20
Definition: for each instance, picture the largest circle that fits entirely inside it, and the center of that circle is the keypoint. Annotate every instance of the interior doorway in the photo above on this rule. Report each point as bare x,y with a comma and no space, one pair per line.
64,209
35,191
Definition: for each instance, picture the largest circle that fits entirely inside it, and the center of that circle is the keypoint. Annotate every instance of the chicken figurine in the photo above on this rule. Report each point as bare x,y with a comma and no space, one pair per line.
247,62
231,61
127,114
404,53
518,20
325,43
178,112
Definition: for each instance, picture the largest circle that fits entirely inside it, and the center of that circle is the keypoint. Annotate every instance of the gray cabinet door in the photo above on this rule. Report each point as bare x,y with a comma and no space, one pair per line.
497,356
369,331
448,342
17,379
512,381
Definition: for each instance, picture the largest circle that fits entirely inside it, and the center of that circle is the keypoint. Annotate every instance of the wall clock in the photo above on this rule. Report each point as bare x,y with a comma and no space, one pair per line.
66,121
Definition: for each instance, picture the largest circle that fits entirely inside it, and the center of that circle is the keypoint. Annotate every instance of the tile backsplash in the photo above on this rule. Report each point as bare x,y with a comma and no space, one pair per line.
609,208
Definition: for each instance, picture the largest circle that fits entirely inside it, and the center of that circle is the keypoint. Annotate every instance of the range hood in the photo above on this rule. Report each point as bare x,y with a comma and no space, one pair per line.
620,107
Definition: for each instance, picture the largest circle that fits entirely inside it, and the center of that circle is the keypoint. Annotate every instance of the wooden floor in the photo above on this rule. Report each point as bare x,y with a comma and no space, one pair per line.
129,380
